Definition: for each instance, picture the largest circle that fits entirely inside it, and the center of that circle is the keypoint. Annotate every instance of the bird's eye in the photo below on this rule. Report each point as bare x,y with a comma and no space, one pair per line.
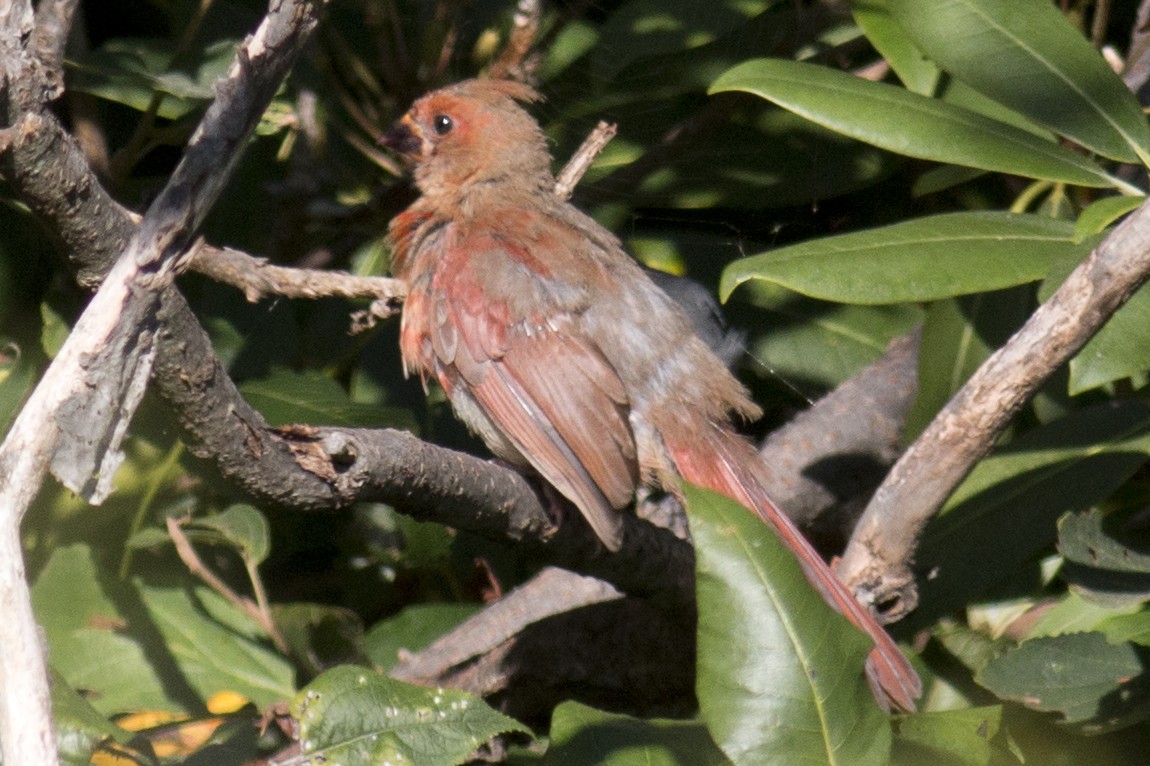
442,124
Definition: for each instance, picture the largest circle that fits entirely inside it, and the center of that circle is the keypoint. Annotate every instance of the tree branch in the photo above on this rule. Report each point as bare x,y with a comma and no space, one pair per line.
876,563
79,412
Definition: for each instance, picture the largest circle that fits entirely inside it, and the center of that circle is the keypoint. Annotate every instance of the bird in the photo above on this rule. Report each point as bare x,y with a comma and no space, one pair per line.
558,351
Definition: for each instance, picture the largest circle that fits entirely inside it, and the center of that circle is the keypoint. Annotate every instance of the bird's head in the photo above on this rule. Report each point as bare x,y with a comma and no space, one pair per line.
470,134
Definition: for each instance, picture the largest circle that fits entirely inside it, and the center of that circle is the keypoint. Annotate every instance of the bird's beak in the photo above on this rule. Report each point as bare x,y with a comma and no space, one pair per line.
404,138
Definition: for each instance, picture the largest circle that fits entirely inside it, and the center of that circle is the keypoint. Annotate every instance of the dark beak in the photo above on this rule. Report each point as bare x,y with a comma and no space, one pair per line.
402,139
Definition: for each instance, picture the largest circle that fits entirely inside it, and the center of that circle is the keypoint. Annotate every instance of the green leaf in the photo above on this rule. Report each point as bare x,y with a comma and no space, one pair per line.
1006,510
965,737
924,259
584,735
413,629
958,335
320,636
1025,54
242,526
130,71
197,627
1120,350
813,343
780,674
1098,216
311,397
918,73
86,643
906,123
778,160
1081,676
1127,627
80,730
641,29
353,715
1106,561
1073,614
206,646
17,377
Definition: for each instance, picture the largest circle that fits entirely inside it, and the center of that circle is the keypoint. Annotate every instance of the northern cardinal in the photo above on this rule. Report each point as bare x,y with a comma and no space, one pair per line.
554,346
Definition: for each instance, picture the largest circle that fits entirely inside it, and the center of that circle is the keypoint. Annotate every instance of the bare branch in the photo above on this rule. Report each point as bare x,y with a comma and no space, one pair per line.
80,409
258,279
581,160
876,564
513,61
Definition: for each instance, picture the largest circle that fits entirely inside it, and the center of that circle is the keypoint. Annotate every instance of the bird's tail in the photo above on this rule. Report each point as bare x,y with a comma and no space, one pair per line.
726,463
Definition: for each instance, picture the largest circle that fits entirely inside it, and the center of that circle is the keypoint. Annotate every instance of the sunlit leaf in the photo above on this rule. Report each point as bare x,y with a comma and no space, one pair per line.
354,715
920,260
1025,54
780,674
903,122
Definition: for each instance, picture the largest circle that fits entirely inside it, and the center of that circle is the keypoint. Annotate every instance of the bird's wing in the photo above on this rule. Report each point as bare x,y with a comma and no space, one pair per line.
546,388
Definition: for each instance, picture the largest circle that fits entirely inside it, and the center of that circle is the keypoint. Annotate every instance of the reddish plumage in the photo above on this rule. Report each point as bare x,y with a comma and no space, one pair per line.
556,348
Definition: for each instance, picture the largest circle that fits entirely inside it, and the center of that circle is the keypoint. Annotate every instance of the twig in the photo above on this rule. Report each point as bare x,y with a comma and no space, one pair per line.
581,160
257,278
876,563
513,61
191,559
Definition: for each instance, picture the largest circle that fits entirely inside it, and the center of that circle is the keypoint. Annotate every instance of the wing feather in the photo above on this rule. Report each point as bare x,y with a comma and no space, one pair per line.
549,391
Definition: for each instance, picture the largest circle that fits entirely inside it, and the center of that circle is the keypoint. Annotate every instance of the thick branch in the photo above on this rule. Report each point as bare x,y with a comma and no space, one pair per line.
80,409
876,563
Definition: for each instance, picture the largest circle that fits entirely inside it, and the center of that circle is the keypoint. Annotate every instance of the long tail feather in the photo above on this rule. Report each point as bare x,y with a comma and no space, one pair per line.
726,463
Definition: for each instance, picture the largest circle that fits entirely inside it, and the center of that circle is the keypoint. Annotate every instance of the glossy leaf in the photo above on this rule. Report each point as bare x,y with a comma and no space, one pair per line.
1025,54
780,674
584,735
354,715
1101,214
906,123
918,73
920,260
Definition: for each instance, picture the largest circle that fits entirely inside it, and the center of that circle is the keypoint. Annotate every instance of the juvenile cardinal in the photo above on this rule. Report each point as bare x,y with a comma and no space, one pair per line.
555,347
